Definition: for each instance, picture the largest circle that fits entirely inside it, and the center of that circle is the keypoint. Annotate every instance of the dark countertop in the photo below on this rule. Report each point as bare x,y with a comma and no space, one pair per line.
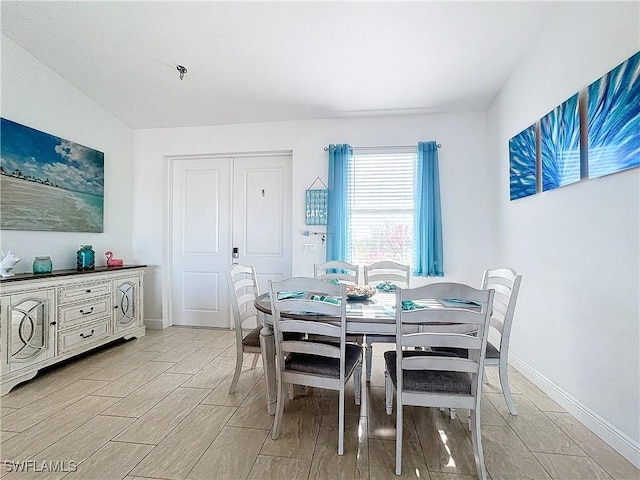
65,273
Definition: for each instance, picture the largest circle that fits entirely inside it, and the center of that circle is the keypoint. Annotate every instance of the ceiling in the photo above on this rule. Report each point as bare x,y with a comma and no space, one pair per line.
270,61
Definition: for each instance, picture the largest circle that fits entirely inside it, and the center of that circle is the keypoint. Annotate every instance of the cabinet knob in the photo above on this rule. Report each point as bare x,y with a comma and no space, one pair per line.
89,290
115,307
87,312
54,323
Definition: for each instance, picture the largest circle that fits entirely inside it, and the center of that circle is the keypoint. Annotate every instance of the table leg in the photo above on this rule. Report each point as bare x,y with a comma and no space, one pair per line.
268,348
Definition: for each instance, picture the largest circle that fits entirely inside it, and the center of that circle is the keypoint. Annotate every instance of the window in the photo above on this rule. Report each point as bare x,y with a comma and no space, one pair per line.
380,197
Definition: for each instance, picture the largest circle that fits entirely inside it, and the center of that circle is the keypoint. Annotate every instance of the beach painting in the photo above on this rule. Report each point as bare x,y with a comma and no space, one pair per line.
560,145
613,120
49,183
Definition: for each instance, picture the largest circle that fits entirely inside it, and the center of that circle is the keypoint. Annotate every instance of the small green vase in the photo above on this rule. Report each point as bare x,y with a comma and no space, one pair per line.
42,265
85,258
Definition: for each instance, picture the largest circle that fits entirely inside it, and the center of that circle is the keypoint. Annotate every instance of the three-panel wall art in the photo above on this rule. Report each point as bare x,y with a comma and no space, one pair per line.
594,133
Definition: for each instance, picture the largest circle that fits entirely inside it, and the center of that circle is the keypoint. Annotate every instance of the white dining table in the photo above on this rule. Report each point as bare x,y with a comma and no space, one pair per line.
374,316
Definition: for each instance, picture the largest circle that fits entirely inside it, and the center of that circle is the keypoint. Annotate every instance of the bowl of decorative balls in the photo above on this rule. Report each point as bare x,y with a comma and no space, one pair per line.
360,292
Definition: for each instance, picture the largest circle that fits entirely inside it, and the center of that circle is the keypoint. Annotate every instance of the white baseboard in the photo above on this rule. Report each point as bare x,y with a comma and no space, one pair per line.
613,436
155,323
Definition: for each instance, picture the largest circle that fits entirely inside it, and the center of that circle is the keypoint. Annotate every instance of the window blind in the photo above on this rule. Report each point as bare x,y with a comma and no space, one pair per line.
381,207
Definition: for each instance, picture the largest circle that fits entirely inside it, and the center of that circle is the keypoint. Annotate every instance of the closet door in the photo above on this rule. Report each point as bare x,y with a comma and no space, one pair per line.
218,205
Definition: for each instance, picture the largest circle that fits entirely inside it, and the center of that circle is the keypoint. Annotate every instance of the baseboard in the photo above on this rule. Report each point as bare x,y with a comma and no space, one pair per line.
614,437
155,323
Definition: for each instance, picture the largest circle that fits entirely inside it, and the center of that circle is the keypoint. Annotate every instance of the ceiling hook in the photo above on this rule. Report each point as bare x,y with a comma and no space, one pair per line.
183,71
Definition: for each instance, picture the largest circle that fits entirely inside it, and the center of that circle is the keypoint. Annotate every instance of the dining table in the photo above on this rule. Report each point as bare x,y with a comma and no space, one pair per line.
372,316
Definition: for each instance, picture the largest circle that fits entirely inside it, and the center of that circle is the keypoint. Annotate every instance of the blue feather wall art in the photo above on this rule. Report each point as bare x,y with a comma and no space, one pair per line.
560,145
523,163
613,120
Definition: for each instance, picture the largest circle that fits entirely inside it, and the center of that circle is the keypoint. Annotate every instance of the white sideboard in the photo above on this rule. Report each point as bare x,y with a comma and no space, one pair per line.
47,318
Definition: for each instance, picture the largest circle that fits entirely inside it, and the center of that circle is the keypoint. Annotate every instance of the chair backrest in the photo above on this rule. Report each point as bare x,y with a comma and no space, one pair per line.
243,290
445,307
387,271
319,298
506,284
336,269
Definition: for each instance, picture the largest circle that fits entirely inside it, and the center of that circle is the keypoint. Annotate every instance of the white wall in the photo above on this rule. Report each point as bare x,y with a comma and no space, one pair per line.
463,166
33,95
576,330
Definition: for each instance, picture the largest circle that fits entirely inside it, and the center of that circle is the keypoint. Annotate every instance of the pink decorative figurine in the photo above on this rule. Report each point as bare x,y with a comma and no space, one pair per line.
113,262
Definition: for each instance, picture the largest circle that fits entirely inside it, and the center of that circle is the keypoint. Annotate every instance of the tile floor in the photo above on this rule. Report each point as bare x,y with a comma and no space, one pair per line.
158,408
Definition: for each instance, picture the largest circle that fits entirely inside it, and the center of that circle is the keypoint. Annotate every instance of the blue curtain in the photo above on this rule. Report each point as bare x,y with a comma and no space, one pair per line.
337,209
428,218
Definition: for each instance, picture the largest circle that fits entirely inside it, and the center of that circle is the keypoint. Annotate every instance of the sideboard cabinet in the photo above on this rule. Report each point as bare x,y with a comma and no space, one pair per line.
45,319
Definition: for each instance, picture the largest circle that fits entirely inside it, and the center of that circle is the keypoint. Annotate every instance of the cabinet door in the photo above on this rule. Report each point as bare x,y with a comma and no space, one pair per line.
126,304
30,327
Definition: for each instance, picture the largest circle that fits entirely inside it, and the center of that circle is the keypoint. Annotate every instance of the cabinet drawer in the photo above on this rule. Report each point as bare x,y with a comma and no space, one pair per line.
81,337
76,292
78,313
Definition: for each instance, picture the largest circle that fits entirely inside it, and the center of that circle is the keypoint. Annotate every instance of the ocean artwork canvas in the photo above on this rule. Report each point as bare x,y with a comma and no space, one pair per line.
560,145
49,183
613,120
523,163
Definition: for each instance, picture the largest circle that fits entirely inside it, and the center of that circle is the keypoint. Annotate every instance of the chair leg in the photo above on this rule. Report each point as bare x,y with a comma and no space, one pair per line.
388,392
341,423
277,421
476,439
236,374
256,356
399,420
506,391
368,353
357,383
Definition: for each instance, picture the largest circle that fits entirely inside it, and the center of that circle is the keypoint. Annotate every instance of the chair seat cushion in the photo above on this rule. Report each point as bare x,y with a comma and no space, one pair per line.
491,351
252,339
326,366
429,380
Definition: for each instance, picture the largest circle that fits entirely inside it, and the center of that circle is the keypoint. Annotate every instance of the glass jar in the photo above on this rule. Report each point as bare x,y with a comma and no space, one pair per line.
86,258
42,265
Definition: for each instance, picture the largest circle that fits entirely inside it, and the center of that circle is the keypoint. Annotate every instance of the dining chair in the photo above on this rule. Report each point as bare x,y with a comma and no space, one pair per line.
388,275
337,270
243,290
439,379
320,364
506,284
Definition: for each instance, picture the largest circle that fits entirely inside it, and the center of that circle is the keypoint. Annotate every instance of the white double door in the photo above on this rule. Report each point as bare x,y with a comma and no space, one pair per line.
218,205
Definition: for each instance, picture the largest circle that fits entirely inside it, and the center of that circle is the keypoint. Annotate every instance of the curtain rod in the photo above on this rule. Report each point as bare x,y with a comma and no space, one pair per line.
326,149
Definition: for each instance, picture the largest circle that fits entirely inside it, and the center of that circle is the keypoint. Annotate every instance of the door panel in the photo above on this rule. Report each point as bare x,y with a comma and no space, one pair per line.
201,241
208,220
262,222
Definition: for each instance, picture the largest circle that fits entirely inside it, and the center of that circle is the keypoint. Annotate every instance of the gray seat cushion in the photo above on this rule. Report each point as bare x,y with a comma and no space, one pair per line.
252,339
491,351
326,366
429,380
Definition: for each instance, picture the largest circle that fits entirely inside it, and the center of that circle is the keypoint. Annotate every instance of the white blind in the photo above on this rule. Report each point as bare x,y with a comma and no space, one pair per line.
381,207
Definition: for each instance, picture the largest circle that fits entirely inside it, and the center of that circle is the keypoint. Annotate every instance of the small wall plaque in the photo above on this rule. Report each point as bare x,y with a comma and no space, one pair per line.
316,204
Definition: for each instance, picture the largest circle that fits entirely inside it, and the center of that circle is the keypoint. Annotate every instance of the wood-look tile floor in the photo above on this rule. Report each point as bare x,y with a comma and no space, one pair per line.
158,408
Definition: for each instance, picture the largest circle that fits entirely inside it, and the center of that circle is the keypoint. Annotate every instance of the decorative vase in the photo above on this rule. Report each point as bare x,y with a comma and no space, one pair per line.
42,265
86,258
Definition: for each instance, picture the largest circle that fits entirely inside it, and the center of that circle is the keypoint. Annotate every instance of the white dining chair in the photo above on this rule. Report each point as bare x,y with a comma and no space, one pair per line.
439,379
506,284
323,364
391,275
345,271
243,290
